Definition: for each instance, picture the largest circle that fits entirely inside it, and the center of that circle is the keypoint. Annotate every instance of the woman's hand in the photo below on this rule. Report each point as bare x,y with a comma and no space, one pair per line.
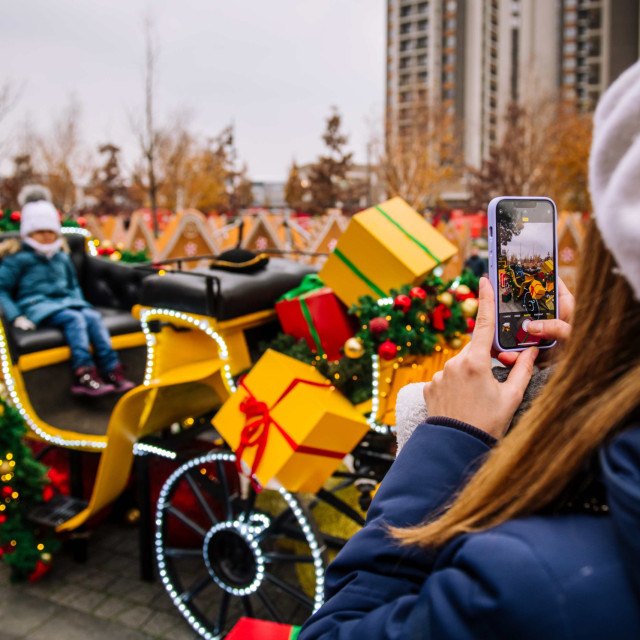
466,389
558,329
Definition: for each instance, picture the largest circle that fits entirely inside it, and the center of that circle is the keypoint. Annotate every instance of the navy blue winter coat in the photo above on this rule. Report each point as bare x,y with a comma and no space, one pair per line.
537,578
35,286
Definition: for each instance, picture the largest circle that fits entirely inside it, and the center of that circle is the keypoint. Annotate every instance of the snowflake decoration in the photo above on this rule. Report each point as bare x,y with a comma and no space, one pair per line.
190,249
139,244
261,243
567,254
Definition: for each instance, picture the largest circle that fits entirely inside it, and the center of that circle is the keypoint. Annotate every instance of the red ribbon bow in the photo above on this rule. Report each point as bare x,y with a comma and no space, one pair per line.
439,315
255,432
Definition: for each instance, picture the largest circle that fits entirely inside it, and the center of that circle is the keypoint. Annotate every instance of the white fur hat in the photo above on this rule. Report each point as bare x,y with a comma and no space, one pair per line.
614,173
39,216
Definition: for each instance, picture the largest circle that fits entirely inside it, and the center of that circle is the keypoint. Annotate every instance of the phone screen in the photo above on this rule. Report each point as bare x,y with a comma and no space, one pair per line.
525,235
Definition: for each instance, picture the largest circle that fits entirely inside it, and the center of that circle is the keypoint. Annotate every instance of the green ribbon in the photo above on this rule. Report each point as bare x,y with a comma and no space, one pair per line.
406,233
309,283
356,271
312,330
295,632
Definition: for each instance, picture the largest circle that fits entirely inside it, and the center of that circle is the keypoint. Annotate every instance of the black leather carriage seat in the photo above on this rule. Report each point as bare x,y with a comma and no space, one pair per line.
223,294
112,287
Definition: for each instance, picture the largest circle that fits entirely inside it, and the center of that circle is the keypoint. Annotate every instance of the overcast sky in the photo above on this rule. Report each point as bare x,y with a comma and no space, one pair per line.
273,67
536,238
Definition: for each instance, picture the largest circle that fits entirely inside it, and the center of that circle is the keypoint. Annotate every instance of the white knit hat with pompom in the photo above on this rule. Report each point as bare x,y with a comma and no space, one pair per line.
39,216
614,173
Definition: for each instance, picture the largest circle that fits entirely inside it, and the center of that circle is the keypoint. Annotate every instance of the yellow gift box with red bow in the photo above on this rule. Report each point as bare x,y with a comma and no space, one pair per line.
383,248
288,422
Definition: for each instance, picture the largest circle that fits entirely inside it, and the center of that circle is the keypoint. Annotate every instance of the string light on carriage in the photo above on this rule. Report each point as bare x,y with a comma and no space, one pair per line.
77,231
14,398
375,397
203,325
248,530
142,449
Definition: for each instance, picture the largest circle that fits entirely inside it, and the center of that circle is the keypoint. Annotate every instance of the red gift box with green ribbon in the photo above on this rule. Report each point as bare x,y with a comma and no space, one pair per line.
252,629
312,311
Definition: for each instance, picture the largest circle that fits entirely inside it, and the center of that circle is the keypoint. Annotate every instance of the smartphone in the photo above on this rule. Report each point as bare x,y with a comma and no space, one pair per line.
522,268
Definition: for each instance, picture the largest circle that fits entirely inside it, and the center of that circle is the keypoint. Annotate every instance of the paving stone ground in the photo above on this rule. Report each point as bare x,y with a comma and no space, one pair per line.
101,599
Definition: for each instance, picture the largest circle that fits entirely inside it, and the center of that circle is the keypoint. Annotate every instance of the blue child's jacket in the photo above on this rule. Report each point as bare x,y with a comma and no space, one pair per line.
34,286
541,577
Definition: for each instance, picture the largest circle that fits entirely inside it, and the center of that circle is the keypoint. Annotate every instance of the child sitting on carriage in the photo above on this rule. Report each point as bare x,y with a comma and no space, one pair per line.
39,288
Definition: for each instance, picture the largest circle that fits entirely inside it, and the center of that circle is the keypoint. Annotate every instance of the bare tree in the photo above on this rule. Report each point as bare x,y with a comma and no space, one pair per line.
145,128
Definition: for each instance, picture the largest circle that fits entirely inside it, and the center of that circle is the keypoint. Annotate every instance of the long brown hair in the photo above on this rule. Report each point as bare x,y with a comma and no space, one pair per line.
593,392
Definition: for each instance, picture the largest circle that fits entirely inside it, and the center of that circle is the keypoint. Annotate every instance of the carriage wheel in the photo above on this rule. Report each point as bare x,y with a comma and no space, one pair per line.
224,551
531,304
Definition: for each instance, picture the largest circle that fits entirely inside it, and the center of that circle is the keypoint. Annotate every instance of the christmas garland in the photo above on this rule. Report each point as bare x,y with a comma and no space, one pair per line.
411,322
24,547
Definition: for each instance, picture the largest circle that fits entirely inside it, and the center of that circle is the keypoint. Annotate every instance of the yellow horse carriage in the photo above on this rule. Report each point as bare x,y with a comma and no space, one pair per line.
221,547
534,287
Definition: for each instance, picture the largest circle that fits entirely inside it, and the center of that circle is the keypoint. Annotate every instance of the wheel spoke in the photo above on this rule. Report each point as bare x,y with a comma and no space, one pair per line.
175,552
269,606
222,613
276,556
187,596
276,524
222,478
200,498
248,607
186,520
289,589
248,505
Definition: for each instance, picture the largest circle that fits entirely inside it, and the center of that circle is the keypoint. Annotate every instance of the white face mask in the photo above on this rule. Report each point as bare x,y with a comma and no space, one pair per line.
47,250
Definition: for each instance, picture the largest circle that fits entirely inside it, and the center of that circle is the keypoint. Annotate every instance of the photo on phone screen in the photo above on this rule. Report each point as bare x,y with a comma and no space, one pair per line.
526,243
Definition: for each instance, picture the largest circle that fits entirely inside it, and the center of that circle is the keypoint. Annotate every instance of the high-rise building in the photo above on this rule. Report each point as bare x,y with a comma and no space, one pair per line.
471,58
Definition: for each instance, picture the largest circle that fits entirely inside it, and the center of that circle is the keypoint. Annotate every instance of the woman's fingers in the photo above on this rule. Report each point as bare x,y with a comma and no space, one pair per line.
550,329
521,373
483,332
566,301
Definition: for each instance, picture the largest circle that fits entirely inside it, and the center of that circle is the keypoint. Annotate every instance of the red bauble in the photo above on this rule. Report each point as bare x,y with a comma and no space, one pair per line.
6,492
3,518
418,292
402,302
387,350
378,325
471,325
82,221
15,216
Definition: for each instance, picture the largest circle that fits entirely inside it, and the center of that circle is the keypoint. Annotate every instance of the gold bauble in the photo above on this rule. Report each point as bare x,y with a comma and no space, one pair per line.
469,307
115,256
463,290
132,516
5,467
353,348
46,557
446,298
455,343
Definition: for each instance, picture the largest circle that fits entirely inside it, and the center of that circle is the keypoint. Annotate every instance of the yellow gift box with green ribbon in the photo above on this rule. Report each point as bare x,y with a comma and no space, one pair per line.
383,248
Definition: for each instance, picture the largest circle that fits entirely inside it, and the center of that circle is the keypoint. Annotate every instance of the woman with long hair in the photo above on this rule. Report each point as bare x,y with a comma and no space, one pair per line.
536,534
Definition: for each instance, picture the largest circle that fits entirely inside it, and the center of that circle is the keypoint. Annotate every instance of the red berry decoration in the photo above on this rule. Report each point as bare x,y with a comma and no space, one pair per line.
378,325
3,518
471,325
82,221
418,292
402,302
15,216
387,350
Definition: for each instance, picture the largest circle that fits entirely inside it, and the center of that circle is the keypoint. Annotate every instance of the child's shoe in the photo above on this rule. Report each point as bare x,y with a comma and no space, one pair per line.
88,383
117,380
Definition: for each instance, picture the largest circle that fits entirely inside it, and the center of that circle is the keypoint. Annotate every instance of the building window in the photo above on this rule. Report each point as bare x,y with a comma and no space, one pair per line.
404,79
570,32
405,96
422,60
569,78
450,41
448,94
450,58
422,7
405,11
406,45
405,28
421,43
422,25
422,76
451,5
570,47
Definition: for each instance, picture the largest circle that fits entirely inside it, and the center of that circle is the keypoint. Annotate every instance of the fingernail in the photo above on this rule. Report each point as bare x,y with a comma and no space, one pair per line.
535,326
482,283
